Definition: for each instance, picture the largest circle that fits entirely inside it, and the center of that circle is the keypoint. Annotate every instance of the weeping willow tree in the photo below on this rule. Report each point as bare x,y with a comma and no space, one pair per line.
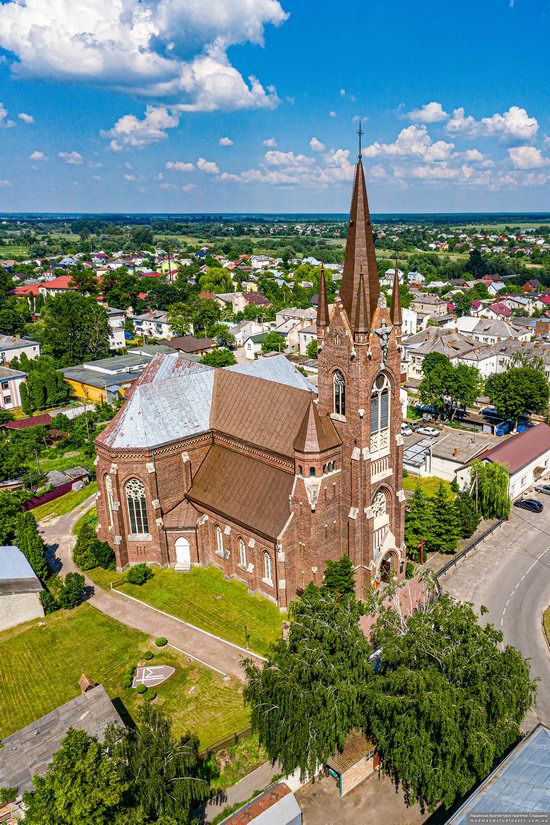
490,489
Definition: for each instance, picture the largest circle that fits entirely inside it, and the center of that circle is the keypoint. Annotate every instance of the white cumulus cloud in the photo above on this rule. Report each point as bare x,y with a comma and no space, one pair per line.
208,166
527,157
5,122
514,124
131,132
180,165
225,141
25,117
429,113
38,156
152,47
316,145
270,143
72,158
413,141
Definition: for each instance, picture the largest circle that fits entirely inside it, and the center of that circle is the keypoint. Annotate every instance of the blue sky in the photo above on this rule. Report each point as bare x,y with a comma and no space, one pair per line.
252,105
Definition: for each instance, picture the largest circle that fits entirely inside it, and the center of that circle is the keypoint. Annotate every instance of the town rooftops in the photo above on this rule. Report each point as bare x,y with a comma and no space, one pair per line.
276,806
520,449
520,784
16,574
30,750
462,447
8,342
6,374
61,283
188,343
43,420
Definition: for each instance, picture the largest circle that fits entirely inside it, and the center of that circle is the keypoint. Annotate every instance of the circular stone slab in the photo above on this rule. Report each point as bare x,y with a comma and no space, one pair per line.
152,676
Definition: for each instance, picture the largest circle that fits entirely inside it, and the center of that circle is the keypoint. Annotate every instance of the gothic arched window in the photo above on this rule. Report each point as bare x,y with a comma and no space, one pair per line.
380,414
110,500
219,540
339,393
137,507
242,553
268,575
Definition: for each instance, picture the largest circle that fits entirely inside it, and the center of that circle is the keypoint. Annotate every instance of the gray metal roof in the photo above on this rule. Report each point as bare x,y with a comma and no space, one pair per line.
13,342
275,368
30,750
520,784
14,565
99,379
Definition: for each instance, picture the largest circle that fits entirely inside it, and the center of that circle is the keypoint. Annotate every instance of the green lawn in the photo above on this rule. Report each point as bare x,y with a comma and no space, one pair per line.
429,484
52,460
47,657
13,251
204,598
64,504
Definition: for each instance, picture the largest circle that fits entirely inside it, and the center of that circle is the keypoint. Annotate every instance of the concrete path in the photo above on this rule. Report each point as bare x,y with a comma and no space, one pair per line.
208,650
258,780
509,573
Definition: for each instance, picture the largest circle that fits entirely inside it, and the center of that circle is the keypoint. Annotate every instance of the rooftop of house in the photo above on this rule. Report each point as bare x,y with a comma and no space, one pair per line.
30,750
8,342
461,446
272,807
520,449
16,574
6,374
190,344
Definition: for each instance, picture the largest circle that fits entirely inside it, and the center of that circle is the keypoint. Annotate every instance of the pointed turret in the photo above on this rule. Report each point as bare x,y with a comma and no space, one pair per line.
361,322
316,434
360,255
395,309
322,306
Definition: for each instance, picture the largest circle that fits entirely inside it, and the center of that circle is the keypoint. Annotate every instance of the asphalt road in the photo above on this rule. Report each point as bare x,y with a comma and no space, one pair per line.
510,575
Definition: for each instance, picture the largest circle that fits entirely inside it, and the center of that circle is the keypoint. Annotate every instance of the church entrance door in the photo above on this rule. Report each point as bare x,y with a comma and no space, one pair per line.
388,567
183,554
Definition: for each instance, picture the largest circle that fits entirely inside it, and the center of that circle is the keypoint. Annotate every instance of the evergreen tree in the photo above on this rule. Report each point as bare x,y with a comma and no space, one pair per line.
70,594
419,523
26,403
83,554
339,576
31,545
445,533
84,785
467,513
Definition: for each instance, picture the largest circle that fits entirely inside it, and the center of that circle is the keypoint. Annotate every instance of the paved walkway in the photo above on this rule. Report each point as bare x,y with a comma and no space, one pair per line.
208,650
258,780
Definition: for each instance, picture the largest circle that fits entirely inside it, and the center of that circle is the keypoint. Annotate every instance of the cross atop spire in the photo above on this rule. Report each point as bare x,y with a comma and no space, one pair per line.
360,133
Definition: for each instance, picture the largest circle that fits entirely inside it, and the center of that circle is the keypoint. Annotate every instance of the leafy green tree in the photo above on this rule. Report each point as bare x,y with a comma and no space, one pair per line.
445,533
84,785
75,328
224,338
70,594
447,702
219,358
216,280
308,696
165,777
477,265
518,391
83,554
490,488
467,513
448,387
11,505
206,314
179,317
312,349
463,303
273,342
31,545
419,523
339,576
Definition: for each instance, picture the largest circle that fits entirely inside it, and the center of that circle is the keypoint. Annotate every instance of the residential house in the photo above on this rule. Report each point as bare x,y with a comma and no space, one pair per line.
153,324
433,339
244,329
192,346
253,346
275,806
13,347
499,310
107,379
416,279
116,319
305,337
429,306
10,388
256,299
489,332
495,287
234,301
59,286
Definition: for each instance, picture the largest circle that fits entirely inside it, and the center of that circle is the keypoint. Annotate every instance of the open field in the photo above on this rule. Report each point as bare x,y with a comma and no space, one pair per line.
63,504
13,251
205,599
47,657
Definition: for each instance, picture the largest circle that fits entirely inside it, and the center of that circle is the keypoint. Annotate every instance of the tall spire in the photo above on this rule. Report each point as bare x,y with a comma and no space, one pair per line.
361,322
395,309
322,306
360,254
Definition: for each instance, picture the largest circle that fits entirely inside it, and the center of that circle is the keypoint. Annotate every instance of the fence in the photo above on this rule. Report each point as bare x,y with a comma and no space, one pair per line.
450,564
228,742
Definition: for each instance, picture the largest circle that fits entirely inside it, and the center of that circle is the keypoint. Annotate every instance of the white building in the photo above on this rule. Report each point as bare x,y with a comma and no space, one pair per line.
13,347
116,319
19,589
153,324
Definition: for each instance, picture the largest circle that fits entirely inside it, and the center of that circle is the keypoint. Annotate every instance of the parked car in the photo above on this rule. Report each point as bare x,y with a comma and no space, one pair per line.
543,488
530,504
406,429
431,431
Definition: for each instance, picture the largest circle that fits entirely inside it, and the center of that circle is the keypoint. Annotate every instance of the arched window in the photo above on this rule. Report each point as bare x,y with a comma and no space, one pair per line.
242,553
110,501
137,507
380,414
267,567
312,471
219,540
339,393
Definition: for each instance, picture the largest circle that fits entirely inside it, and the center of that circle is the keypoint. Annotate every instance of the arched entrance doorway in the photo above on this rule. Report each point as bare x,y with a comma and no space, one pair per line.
183,554
388,566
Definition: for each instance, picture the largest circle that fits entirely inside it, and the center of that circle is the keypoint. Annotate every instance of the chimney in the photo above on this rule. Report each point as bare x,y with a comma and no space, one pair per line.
86,683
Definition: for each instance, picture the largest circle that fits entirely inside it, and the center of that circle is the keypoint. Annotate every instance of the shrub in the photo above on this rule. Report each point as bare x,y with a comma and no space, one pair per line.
7,795
150,695
161,641
127,681
70,594
104,555
139,574
49,604
83,553
141,689
409,570
148,655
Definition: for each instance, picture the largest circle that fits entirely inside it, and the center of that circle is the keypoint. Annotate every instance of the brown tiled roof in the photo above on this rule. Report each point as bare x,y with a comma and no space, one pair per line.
254,494
520,449
316,433
34,421
188,343
260,412
357,747
257,806
182,515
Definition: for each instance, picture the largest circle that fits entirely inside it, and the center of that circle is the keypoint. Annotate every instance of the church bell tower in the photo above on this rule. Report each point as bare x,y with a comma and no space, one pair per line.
359,382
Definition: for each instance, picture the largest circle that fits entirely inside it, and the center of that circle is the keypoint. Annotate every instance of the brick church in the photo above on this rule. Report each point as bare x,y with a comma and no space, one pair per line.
249,469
